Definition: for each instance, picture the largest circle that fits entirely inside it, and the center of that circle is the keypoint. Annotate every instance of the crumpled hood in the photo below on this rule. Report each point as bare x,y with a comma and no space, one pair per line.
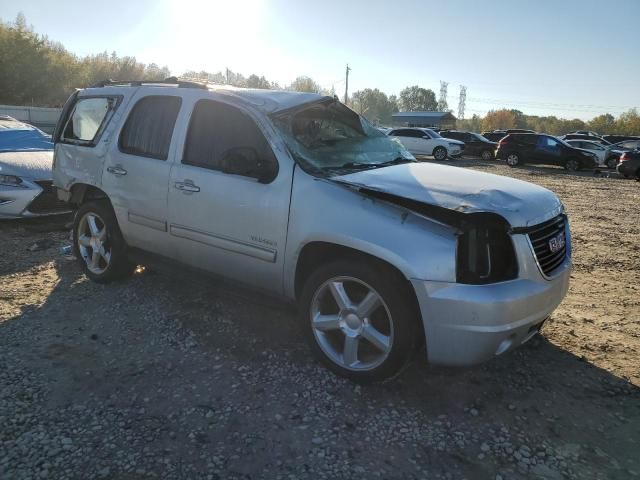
521,203
32,165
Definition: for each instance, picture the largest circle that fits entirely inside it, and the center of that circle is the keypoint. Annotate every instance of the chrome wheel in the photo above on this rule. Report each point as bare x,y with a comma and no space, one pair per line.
513,160
351,323
92,243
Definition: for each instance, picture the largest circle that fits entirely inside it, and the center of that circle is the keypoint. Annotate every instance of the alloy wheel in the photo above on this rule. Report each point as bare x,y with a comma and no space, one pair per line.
440,154
93,244
486,155
572,165
351,323
513,160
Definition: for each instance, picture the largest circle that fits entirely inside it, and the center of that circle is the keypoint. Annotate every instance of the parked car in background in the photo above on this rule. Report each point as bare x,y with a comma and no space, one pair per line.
629,165
627,145
474,143
620,138
496,135
424,141
589,133
26,158
579,136
382,252
607,155
519,148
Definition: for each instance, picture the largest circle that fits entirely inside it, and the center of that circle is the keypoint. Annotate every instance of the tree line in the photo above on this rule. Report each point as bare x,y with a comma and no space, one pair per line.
35,70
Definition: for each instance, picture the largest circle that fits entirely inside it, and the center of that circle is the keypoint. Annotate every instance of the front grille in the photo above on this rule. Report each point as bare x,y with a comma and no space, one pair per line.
47,201
542,236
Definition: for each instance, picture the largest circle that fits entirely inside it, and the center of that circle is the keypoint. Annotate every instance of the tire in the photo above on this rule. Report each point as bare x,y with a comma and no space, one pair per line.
572,165
612,162
486,155
98,243
440,153
513,159
378,342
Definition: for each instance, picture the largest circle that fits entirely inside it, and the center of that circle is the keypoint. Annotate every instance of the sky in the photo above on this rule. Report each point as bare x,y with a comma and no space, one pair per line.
572,59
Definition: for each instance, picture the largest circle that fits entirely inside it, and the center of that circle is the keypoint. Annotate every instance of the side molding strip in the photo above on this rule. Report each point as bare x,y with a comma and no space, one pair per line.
148,222
224,243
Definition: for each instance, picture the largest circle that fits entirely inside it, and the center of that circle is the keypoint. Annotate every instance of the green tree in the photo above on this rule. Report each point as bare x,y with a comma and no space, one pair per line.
374,105
417,99
304,84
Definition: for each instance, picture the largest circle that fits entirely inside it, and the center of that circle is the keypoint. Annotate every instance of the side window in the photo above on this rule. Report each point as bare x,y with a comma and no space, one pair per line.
401,133
148,130
223,138
87,119
418,134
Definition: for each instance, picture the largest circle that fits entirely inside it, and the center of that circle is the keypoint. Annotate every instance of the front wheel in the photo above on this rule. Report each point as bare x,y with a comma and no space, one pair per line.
440,153
572,165
487,155
98,243
513,159
360,319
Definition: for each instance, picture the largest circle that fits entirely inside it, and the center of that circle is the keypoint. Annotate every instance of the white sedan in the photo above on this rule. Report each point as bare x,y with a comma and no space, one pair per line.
607,155
424,141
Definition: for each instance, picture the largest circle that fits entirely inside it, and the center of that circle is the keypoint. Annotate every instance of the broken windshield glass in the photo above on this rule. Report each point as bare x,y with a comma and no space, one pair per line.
328,137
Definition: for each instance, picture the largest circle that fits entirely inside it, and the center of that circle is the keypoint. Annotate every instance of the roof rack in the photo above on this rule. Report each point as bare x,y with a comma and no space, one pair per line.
138,83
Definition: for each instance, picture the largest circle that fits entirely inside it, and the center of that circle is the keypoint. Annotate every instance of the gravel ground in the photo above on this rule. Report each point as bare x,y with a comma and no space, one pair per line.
169,375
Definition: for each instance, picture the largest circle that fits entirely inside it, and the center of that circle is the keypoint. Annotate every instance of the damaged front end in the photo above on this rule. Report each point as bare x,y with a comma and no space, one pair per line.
485,253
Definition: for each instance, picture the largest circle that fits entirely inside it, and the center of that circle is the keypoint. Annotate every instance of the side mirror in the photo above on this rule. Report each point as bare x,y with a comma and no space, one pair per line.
426,137
246,161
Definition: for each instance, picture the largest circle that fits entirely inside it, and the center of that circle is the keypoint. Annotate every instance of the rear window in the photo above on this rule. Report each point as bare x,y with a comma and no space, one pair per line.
149,128
524,138
87,120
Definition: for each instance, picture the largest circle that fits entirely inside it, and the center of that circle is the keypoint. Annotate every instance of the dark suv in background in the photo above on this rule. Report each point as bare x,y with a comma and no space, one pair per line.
496,135
519,148
475,144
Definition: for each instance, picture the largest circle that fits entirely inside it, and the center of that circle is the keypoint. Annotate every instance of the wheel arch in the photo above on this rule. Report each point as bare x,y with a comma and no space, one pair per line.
83,192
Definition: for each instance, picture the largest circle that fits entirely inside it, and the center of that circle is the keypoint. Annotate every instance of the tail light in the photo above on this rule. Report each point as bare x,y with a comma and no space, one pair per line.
624,157
502,142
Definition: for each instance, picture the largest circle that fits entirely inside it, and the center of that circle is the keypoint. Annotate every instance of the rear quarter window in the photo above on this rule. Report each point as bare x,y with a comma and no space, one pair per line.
87,120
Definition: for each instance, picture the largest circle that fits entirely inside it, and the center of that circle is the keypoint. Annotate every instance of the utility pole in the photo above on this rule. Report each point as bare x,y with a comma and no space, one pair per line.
346,85
227,75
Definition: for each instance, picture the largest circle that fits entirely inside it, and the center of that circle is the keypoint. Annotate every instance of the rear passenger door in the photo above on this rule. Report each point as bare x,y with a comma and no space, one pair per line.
136,171
224,216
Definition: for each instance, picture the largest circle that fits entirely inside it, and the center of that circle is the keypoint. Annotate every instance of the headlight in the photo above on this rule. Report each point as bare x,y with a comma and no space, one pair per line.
10,180
454,145
485,251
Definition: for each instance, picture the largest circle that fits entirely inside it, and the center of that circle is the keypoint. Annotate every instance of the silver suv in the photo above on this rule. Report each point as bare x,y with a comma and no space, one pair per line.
296,194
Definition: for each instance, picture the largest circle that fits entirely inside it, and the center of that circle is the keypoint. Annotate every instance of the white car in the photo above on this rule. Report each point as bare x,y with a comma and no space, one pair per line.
424,141
606,156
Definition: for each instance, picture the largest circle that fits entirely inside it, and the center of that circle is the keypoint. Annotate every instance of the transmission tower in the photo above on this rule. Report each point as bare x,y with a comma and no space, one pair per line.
462,102
442,101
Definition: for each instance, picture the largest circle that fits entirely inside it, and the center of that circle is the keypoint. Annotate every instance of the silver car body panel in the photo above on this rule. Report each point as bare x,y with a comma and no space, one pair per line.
29,166
255,232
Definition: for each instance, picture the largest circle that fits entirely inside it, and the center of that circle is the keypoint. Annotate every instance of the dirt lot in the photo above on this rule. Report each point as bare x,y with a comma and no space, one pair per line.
174,376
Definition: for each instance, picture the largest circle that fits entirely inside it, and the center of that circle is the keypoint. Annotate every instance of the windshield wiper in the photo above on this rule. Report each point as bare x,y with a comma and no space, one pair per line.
369,166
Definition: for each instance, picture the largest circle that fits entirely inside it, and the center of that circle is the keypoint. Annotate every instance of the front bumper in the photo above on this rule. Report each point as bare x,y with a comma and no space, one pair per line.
30,199
470,324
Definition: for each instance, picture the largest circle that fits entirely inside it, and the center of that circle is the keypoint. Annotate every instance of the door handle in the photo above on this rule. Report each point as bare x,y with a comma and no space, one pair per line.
117,170
187,186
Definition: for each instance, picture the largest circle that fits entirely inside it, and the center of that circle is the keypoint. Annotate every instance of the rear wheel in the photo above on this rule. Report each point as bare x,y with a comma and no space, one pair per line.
440,153
98,243
513,159
612,162
572,165
487,155
360,319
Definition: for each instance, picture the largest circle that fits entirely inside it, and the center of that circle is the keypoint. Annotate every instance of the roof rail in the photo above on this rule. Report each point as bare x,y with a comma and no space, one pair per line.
137,83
